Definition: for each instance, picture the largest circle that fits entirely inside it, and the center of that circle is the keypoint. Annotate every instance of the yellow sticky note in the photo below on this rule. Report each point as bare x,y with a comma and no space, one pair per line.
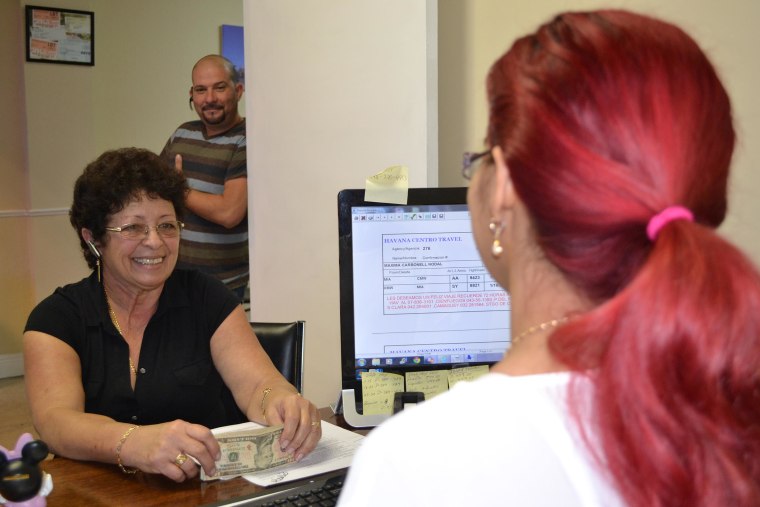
390,185
431,383
467,373
379,390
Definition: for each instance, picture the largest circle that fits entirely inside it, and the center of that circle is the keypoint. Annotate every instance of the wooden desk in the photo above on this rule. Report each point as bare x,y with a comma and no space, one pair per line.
85,483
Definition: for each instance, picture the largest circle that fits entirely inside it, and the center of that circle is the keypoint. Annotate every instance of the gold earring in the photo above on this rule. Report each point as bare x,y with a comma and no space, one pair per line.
496,248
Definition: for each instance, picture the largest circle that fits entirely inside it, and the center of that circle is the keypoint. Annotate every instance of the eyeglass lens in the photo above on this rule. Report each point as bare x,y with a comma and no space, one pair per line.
135,231
468,159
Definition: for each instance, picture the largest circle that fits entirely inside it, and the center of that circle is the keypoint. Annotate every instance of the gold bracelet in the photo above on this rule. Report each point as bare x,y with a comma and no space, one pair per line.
118,451
266,393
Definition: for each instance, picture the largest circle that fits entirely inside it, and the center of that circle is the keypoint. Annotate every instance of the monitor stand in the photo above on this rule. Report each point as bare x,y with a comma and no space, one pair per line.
354,418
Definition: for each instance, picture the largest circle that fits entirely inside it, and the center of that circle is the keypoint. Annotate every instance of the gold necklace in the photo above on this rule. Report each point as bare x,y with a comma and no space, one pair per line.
115,322
539,327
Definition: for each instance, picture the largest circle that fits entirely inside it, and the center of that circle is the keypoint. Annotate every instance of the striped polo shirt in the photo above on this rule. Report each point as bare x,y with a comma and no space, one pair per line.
208,162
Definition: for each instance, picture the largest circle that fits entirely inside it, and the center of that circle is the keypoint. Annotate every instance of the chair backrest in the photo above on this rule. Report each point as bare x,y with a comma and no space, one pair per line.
284,342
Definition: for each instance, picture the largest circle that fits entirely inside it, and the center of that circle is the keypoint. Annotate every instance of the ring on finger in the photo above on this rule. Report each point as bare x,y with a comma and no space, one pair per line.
314,424
180,459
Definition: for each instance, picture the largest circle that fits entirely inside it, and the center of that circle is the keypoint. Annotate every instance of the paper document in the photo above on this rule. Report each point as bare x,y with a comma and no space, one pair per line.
335,450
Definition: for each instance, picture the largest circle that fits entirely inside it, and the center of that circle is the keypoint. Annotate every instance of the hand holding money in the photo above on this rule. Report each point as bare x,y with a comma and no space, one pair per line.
245,452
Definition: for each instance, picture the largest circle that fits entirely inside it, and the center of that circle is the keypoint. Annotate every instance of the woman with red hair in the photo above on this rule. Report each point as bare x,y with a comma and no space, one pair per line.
633,377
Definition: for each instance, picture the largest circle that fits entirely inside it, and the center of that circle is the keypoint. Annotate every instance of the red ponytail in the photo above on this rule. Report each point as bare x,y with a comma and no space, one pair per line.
606,119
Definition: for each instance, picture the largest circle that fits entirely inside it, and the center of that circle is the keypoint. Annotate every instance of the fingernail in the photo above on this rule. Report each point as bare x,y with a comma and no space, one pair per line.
284,445
213,472
299,457
218,456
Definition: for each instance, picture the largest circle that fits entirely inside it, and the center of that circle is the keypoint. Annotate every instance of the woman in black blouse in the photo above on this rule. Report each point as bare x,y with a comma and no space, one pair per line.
135,363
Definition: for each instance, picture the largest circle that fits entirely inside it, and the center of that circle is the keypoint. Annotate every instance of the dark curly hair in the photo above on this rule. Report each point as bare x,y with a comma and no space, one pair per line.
112,181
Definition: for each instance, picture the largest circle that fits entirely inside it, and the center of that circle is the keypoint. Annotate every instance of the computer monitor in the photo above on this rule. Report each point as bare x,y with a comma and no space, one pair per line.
414,293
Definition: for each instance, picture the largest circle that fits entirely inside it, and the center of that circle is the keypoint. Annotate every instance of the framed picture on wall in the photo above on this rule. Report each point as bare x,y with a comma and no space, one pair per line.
232,48
60,36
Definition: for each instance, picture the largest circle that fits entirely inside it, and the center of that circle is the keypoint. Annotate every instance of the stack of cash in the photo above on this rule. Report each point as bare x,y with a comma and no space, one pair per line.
245,452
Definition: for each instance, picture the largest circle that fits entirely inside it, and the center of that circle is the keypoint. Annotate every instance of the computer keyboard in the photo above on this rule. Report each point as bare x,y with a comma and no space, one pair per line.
321,491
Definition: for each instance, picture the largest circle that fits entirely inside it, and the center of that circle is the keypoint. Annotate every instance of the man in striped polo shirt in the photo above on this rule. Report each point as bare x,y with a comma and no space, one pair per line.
211,152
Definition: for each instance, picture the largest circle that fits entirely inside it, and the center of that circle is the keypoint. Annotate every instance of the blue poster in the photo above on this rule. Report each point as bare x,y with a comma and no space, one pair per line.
233,49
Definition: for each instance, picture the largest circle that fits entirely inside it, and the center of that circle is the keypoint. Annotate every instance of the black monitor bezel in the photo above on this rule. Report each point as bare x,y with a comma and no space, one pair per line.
348,199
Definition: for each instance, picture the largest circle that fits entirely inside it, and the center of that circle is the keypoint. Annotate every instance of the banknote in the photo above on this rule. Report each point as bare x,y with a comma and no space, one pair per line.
245,452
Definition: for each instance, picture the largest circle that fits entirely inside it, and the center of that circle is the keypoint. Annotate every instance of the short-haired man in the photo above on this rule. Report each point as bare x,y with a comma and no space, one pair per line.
211,152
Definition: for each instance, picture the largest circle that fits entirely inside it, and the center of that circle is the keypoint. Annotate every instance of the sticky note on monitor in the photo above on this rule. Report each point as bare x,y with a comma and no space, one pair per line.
390,185
379,390
432,383
466,373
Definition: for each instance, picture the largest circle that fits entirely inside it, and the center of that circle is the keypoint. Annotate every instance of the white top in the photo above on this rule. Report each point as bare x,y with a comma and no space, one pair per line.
498,440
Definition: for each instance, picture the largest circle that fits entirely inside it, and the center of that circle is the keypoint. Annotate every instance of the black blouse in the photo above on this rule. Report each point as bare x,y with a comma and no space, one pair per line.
176,377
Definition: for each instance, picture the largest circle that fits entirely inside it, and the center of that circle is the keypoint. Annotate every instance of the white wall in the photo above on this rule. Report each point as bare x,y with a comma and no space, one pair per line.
338,90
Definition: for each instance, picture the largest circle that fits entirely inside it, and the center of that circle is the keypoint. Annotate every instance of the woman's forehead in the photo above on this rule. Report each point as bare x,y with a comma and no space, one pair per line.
144,206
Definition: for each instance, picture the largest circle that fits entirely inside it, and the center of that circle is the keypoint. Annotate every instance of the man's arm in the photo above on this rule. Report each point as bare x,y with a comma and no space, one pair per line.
226,209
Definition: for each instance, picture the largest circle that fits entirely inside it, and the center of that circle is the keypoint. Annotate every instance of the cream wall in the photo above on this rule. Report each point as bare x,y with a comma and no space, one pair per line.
474,33
15,269
146,50
135,95
60,117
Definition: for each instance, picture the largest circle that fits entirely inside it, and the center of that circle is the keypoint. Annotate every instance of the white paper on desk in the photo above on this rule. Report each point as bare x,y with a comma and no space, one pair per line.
335,450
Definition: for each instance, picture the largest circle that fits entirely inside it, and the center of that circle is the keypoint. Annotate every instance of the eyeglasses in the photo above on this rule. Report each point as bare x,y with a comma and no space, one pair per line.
141,231
468,159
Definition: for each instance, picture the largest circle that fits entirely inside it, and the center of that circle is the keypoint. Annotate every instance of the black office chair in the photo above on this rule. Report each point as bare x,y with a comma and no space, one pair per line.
284,342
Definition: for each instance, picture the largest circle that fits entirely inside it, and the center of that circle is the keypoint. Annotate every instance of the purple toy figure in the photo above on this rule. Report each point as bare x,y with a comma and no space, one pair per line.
22,483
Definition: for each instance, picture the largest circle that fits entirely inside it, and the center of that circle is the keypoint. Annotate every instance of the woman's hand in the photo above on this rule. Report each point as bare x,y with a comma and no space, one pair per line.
259,387
300,418
174,449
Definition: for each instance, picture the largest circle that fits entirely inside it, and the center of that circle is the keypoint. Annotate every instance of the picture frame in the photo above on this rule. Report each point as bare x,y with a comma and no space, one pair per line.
60,36
233,48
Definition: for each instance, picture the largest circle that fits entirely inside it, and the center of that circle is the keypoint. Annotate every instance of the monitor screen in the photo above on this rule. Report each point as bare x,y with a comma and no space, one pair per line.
414,293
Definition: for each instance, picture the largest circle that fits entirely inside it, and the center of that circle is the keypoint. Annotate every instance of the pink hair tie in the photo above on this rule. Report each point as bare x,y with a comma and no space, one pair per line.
665,216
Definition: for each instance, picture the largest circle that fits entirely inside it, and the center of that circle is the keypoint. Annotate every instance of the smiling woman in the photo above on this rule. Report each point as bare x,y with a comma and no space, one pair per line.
134,364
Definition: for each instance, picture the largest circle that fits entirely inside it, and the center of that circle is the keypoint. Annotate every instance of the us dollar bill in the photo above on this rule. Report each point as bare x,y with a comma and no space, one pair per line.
245,452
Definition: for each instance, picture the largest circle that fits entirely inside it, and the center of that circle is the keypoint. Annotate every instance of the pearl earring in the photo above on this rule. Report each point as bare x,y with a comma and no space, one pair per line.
496,227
